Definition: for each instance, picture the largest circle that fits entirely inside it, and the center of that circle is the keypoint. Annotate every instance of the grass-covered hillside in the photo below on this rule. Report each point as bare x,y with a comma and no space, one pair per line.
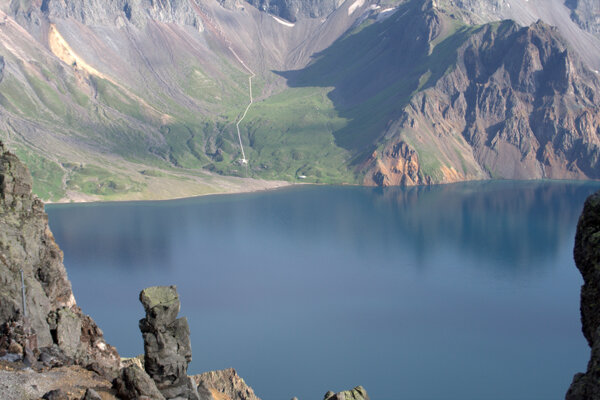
144,105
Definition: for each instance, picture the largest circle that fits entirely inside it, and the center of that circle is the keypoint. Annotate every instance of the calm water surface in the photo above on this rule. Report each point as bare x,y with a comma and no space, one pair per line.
463,291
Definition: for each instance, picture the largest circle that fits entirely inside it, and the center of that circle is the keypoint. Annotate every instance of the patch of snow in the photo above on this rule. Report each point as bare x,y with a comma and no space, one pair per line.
355,5
385,14
283,21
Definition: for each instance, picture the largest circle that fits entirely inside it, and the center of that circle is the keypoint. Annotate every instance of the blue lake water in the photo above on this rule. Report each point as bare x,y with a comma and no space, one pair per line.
463,291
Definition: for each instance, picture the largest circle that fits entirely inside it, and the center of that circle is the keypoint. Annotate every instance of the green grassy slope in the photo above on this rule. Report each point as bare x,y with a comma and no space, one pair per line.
99,133
372,73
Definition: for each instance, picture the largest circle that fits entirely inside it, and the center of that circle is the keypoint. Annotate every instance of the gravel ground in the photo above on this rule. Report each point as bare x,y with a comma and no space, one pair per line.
17,383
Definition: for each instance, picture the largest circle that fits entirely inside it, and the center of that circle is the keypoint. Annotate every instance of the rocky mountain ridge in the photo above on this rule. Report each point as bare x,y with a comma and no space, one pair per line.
291,10
104,13
519,101
140,99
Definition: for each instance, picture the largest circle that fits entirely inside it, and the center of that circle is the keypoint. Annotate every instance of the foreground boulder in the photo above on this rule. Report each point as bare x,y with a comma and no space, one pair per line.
167,347
223,385
134,383
45,314
587,258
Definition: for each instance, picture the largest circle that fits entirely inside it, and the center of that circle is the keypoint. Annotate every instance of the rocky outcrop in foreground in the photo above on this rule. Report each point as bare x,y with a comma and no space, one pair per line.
224,385
40,322
167,352
587,258
167,347
358,393
42,327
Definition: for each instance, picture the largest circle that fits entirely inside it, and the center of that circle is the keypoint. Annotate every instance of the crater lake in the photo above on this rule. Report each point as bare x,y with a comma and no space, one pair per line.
463,291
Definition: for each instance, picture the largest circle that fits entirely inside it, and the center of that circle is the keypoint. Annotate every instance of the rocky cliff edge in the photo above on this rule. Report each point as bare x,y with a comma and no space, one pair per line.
39,318
587,257
42,327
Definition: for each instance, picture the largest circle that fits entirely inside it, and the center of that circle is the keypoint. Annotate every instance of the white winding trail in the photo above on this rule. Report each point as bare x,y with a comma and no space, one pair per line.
237,125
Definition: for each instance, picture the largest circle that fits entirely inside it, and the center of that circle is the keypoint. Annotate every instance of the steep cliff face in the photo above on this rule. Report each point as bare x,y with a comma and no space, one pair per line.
49,318
104,13
587,258
517,104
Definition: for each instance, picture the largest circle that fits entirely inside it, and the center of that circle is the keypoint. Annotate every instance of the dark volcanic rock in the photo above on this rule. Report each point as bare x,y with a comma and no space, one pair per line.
27,245
358,393
133,383
91,394
53,356
167,347
587,258
56,394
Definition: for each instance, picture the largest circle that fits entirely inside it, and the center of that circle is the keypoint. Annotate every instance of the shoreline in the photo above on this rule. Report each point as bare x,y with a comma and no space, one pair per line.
276,185
89,199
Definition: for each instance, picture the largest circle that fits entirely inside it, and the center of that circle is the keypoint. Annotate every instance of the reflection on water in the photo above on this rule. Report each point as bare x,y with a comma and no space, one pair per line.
503,224
309,289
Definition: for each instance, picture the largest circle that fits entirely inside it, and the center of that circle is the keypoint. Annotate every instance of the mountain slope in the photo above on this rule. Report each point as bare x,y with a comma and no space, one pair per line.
518,99
95,96
140,99
586,13
444,102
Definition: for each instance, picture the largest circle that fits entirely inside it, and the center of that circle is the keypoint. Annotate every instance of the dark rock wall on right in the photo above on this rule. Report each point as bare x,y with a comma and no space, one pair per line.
587,258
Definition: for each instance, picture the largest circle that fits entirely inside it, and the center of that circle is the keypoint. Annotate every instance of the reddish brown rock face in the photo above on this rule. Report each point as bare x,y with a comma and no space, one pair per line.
224,385
398,166
517,105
